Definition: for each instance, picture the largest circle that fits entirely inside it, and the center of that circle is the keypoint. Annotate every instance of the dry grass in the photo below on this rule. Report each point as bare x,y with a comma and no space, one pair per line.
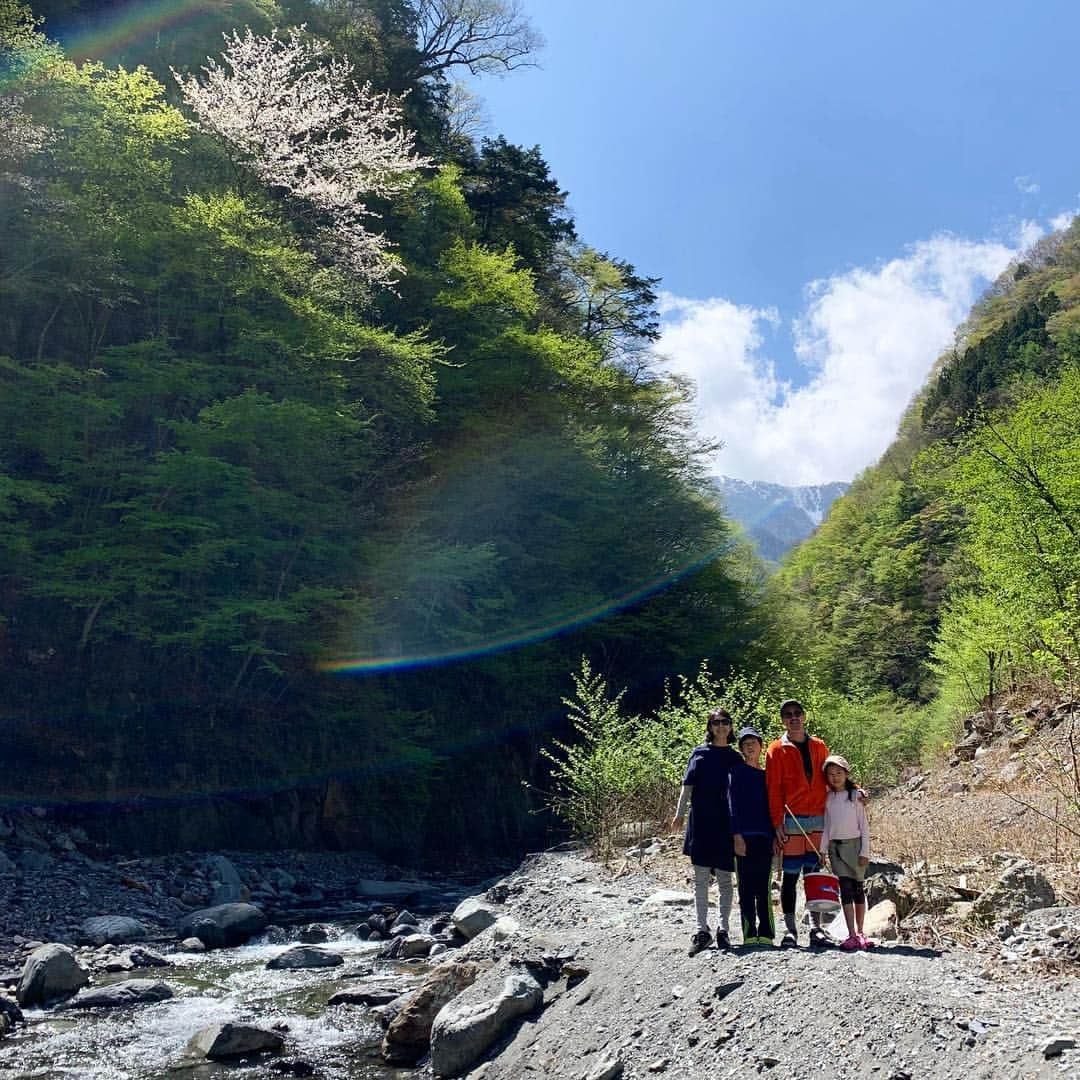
961,817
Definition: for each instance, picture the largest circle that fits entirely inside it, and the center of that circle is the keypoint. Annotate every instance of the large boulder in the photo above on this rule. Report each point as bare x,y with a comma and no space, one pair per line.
1020,888
416,945
409,1032
50,973
474,915
882,921
144,958
461,1033
374,994
119,994
111,930
220,1042
225,924
305,956
886,881
226,885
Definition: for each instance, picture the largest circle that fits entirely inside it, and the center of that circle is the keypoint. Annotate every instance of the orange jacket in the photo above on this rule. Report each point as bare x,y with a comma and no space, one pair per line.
786,781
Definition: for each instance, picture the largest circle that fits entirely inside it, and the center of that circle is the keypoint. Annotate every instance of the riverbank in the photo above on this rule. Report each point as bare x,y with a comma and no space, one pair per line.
598,956
647,1007
52,879
595,954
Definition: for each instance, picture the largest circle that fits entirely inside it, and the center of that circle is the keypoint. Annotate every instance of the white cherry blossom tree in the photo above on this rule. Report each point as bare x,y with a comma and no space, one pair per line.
20,137
293,114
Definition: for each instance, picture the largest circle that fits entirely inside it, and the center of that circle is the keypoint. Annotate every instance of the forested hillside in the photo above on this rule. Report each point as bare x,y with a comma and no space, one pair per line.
310,405
949,573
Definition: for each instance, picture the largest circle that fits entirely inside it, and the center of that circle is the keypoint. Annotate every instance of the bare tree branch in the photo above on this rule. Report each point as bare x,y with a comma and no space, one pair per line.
482,35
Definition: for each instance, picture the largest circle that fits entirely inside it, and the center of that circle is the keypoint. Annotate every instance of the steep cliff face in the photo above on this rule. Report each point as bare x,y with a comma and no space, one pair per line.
273,783
776,517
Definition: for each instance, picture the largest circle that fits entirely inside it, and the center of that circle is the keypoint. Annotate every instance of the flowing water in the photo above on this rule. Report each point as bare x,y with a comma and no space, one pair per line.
148,1041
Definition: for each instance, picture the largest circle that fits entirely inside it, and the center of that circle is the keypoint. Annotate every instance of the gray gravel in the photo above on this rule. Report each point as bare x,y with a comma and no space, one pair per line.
893,1012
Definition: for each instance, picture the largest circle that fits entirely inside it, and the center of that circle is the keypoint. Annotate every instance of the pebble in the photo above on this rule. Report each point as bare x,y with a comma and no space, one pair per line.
1057,1046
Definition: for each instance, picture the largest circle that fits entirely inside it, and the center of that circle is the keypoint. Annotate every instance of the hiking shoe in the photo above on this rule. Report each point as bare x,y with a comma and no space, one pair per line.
723,942
789,941
701,940
819,939
851,943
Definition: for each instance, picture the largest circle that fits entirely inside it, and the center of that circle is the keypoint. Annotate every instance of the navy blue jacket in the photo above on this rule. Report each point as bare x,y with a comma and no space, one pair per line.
749,802
708,830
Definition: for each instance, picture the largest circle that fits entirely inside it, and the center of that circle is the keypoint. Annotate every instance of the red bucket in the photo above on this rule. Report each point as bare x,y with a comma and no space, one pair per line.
822,891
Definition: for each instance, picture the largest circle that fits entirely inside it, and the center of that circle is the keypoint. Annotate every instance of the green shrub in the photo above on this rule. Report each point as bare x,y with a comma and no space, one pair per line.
625,769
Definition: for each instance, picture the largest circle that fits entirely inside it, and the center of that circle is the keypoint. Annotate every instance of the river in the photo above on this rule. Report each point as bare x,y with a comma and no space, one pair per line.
148,1041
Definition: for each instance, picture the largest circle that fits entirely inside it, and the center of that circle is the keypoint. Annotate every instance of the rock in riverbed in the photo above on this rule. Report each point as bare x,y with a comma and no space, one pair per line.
120,994
50,974
221,1042
305,956
224,925
373,994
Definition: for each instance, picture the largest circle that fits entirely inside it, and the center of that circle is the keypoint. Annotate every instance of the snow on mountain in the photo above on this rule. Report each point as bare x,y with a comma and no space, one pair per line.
776,517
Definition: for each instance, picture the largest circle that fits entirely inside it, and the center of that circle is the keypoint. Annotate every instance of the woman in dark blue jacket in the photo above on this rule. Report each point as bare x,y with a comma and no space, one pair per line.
708,831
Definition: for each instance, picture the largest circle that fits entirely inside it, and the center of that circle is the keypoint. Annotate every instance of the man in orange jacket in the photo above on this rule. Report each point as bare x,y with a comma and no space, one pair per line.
795,778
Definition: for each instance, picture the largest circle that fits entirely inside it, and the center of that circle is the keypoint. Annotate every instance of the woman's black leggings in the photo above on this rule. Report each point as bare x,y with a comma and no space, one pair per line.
753,871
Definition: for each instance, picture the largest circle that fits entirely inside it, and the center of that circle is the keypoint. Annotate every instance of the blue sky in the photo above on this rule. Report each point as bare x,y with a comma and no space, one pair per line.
823,187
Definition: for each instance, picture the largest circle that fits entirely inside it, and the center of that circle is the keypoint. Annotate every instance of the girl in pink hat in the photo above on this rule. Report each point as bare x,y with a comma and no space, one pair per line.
847,840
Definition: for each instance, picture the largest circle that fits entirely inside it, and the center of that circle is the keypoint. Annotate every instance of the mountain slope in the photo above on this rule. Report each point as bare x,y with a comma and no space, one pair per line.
948,572
776,517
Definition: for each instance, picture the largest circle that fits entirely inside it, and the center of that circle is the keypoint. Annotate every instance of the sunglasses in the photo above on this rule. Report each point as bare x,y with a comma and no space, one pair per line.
791,714
722,720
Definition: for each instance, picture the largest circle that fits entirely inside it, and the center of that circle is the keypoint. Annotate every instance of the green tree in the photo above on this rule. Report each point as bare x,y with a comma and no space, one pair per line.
516,202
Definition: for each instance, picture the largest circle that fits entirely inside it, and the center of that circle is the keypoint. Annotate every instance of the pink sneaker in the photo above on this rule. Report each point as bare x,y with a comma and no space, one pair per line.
865,942
852,943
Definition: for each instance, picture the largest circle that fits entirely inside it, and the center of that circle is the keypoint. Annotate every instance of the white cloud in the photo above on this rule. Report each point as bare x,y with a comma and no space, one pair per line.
1063,220
1025,185
866,340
